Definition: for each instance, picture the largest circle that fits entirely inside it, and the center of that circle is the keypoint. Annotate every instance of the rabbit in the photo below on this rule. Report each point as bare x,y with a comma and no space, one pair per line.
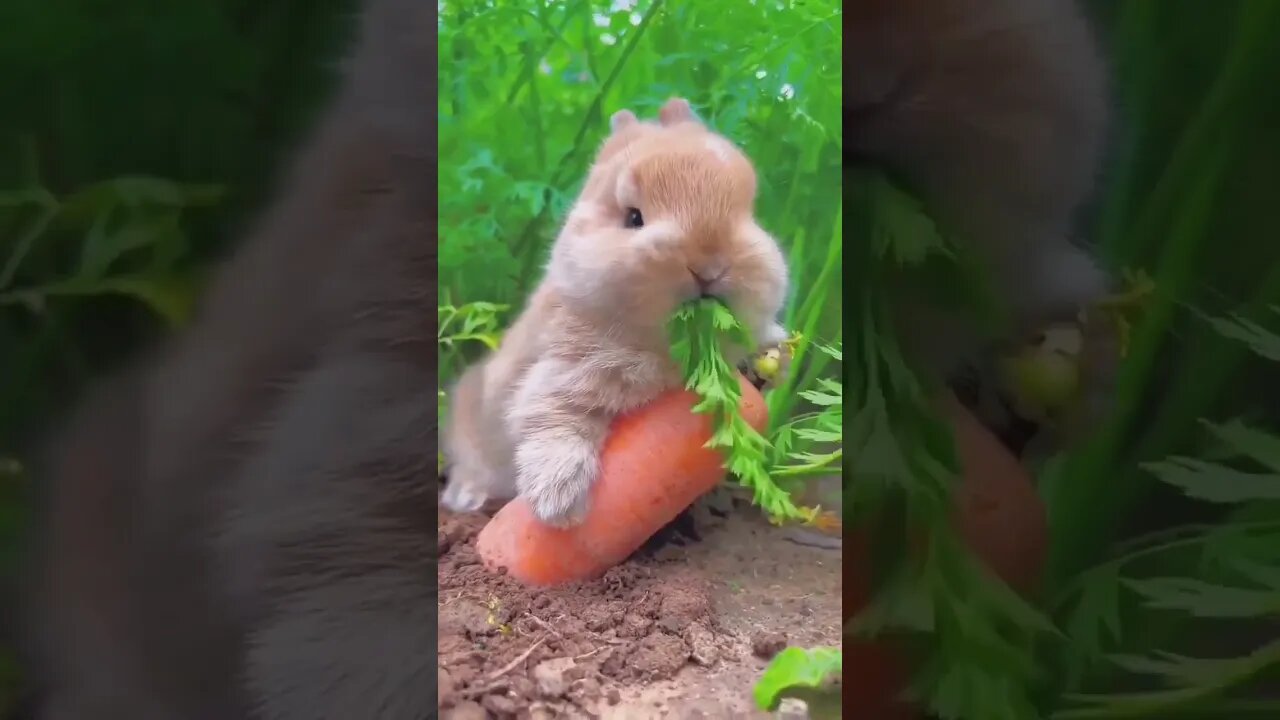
995,112
665,216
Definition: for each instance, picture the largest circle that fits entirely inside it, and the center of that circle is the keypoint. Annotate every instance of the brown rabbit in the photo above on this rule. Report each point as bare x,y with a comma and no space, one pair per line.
994,111
666,215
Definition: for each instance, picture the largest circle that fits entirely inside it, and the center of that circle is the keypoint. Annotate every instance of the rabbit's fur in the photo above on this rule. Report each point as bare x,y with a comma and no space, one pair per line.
995,113
530,419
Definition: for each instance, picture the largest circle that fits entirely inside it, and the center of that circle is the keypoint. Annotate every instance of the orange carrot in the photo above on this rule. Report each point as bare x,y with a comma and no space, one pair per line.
654,464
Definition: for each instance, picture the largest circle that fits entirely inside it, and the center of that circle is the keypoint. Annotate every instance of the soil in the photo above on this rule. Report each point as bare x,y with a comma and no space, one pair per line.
677,631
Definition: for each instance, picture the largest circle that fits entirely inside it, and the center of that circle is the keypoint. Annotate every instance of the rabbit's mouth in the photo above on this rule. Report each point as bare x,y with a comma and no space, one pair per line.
709,281
699,293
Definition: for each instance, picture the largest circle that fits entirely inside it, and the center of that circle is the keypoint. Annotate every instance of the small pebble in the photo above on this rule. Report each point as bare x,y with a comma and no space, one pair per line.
792,709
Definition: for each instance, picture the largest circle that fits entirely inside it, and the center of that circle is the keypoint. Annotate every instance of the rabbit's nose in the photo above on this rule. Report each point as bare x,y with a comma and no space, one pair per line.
706,278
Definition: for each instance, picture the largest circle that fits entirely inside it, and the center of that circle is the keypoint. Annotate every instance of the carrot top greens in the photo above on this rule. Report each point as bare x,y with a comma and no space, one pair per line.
699,332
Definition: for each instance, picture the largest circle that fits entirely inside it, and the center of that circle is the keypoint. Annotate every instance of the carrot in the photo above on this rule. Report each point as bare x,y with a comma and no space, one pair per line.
654,464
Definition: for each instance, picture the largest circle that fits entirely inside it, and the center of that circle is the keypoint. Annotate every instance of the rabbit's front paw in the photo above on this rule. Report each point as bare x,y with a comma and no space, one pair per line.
555,478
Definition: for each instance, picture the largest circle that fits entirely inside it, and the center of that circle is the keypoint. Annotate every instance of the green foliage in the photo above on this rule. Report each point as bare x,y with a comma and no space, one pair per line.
475,322
700,332
98,103
1231,572
974,636
1189,195
796,667
526,91
123,236
62,256
811,443
459,330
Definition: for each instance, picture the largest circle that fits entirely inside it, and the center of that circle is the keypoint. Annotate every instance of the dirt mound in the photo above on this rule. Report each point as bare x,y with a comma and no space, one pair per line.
682,629
511,650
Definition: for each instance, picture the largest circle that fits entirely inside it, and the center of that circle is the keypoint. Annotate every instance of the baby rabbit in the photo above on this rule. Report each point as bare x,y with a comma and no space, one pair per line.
994,112
665,216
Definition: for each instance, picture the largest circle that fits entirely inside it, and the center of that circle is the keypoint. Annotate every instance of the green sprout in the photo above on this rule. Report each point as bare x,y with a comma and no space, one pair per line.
795,668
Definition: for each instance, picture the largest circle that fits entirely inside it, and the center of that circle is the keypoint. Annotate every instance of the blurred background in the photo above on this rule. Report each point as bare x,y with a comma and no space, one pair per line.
1165,563
526,91
137,138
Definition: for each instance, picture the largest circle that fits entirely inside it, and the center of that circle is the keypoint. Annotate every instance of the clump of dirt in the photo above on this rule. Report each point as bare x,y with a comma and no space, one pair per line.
682,629
767,644
513,650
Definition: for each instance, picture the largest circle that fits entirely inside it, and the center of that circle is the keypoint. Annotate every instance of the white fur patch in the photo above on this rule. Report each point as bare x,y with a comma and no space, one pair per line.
659,238
627,193
720,148
773,334
462,495
555,475
1066,277
586,212
713,269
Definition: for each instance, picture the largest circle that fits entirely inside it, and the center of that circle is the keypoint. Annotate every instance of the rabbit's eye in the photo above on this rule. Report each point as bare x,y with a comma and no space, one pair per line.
634,219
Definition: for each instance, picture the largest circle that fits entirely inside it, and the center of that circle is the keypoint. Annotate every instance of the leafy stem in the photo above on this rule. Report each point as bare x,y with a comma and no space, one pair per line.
1152,545
1230,674
698,333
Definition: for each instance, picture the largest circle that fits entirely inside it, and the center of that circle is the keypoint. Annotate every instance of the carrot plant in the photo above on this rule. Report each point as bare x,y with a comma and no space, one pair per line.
1157,521
972,636
699,332
1211,576
1161,587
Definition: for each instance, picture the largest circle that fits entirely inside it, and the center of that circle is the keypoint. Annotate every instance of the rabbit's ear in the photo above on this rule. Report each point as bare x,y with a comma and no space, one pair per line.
621,119
676,111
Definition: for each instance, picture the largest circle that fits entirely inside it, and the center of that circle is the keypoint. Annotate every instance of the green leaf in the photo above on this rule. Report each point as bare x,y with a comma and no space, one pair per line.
818,435
905,231
1214,482
103,247
1249,442
1177,670
1204,599
26,241
1259,339
834,352
796,667
698,332
1095,619
820,398
1265,575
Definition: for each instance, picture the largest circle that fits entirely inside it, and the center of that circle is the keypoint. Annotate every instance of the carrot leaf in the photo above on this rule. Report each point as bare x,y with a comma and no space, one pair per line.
700,333
971,638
